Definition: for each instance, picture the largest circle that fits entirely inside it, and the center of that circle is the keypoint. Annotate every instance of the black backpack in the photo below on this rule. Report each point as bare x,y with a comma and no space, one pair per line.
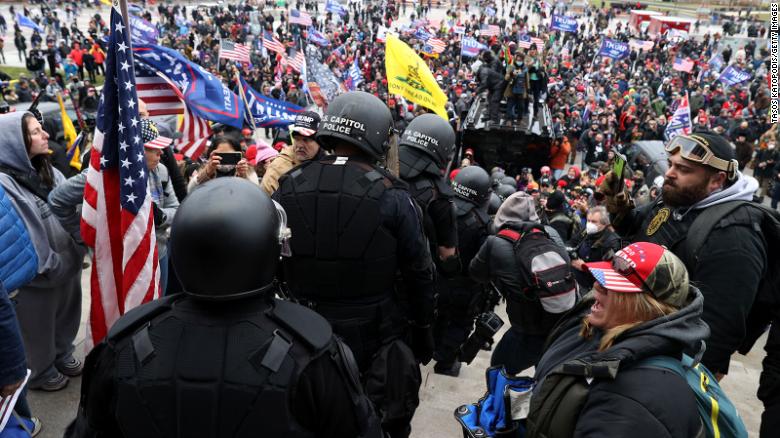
544,266
766,306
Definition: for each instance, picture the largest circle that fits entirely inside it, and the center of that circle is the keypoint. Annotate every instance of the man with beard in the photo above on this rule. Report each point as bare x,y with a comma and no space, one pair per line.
730,264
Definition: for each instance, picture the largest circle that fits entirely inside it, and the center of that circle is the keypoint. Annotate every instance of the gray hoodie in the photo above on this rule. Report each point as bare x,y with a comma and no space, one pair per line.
59,257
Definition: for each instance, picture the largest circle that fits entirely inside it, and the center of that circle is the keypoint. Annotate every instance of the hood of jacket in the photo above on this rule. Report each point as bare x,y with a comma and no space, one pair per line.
13,154
669,335
742,189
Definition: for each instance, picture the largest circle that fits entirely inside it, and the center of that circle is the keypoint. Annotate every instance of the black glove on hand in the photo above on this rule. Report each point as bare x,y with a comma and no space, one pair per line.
422,343
159,216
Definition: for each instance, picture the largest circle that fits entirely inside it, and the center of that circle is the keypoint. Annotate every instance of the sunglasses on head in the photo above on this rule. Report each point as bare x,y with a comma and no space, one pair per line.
695,149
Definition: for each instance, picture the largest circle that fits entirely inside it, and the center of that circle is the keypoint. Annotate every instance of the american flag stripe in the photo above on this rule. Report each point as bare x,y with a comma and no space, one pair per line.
438,45
160,142
299,17
297,61
490,30
116,215
195,134
539,43
271,43
161,97
614,281
233,51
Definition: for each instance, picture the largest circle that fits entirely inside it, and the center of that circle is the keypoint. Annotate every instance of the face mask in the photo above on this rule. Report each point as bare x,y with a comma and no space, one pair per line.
591,228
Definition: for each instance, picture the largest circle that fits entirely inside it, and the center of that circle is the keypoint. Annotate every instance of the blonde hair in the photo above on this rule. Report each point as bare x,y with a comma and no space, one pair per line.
635,309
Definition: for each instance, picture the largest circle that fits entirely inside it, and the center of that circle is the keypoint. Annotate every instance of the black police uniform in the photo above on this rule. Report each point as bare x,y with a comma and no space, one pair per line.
354,226
434,196
461,298
223,359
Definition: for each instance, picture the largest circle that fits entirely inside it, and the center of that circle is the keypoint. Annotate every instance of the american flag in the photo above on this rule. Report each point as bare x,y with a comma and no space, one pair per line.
230,50
296,60
298,17
162,98
195,133
489,30
685,65
436,44
526,41
117,220
641,45
271,43
613,281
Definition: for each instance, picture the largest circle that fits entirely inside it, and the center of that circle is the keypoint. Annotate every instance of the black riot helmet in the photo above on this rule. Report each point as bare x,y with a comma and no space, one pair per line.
432,135
505,190
226,240
473,184
494,203
360,119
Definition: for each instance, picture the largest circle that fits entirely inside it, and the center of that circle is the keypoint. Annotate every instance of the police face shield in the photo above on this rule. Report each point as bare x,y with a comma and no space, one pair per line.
284,233
696,151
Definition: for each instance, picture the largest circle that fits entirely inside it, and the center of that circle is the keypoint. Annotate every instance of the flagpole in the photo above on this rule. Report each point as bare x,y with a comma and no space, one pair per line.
243,98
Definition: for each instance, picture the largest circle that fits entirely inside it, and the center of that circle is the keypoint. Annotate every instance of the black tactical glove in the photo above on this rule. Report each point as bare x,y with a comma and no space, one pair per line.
159,215
422,342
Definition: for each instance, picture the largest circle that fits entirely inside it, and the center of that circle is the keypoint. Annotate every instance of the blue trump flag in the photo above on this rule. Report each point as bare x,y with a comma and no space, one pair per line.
335,7
267,112
354,77
26,22
734,75
564,24
203,93
470,47
142,31
613,49
317,37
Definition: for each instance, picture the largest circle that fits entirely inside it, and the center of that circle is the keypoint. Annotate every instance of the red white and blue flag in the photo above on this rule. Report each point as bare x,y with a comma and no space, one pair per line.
271,43
489,30
117,220
195,133
436,45
296,60
299,17
641,45
234,51
161,96
525,41
680,122
685,65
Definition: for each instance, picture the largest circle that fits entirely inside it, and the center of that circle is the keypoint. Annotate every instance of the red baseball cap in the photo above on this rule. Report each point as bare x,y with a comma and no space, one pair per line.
644,267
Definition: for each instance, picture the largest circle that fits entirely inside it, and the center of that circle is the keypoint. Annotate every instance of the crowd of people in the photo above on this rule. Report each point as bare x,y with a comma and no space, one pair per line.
357,261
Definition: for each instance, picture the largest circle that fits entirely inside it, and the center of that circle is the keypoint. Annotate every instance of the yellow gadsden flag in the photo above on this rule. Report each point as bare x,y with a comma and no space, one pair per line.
409,76
69,131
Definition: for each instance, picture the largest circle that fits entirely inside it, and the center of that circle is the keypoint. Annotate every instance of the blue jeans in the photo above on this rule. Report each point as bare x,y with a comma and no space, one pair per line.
517,351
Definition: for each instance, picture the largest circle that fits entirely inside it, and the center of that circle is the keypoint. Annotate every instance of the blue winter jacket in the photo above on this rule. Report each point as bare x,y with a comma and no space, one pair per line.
18,260
12,363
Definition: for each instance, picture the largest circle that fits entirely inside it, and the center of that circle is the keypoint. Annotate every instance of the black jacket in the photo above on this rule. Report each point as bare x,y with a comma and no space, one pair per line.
495,262
728,272
636,401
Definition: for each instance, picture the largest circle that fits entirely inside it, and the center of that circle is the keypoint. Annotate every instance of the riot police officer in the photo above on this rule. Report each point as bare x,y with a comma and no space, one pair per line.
224,358
460,297
425,151
354,226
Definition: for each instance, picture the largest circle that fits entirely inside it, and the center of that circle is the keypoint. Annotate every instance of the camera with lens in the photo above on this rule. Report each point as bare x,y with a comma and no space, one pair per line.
488,324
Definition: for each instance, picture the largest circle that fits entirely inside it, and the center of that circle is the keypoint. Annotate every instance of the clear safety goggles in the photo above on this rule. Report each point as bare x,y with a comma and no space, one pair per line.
284,233
695,150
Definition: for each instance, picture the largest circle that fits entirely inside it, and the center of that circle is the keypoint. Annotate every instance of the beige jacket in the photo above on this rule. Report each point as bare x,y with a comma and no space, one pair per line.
278,167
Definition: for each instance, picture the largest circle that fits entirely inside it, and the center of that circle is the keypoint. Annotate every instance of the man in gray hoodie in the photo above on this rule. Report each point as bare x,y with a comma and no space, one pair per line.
729,266
49,307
